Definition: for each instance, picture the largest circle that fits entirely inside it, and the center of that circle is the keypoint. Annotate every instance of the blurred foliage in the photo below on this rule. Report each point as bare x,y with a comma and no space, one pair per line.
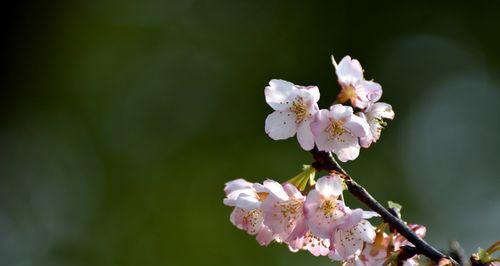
120,121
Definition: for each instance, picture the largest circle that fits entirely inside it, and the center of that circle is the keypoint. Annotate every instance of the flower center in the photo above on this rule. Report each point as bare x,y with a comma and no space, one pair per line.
291,211
328,207
252,219
300,110
348,92
262,195
335,129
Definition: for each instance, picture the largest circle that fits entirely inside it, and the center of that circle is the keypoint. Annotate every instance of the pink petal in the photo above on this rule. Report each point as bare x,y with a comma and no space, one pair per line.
292,191
329,186
281,125
373,90
340,112
346,245
358,126
349,70
265,236
232,197
247,202
320,122
276,189
300,229
381,110
305,136
236,184
313,91
279,94
346,147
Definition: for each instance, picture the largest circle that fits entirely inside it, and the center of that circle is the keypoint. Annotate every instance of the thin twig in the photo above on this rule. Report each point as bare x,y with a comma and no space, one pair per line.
326,161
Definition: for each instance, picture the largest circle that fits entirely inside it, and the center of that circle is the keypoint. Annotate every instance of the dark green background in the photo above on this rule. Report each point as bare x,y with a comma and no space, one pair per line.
122,120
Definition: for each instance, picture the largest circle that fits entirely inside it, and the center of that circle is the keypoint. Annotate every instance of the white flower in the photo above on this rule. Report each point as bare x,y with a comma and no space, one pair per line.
294,108
338,130
355,88
374,115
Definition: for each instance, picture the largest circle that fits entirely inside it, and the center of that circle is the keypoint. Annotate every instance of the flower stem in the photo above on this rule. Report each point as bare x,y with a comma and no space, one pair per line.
326,161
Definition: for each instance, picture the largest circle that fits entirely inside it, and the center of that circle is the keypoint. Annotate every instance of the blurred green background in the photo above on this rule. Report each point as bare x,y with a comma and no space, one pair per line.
120,121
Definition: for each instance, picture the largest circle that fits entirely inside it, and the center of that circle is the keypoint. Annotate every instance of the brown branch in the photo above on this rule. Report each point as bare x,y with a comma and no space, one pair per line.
406,252
326,161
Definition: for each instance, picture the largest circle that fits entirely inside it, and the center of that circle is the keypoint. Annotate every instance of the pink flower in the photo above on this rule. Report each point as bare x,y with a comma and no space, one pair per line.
294,107
373,254
354,87
247,215
376,253
323,209
349,238
374,115
283,211
338,130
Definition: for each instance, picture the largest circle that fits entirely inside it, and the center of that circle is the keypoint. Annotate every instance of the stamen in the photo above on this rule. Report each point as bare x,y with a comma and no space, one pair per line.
327,207
335,129
291,211
300,110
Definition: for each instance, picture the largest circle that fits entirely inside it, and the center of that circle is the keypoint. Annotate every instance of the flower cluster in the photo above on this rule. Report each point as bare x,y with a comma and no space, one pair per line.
337,129
315,217
319,222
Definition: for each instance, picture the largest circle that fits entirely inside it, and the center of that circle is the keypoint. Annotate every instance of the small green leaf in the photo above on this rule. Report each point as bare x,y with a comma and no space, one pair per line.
394,205
484,257
306,176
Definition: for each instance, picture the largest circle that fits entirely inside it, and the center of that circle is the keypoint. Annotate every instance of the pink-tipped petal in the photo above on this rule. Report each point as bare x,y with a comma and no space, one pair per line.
373,90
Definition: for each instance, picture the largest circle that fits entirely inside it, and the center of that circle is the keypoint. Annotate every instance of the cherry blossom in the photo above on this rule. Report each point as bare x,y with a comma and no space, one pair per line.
294,108
376,253
349,238
338,130
283,211
323,208
373,254
374,115
247,215
355,88
321,222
